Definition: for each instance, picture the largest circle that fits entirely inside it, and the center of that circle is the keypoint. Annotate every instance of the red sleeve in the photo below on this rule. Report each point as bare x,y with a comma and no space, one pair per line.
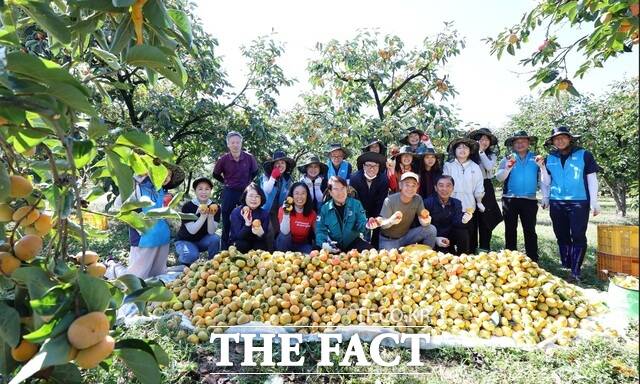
393,182
280,214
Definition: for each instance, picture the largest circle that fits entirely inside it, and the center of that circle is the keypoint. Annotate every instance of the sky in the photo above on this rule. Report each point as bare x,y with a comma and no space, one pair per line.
488,87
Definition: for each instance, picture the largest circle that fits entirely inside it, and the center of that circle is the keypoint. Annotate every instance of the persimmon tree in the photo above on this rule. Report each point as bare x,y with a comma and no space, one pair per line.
375,85
59,62
607,29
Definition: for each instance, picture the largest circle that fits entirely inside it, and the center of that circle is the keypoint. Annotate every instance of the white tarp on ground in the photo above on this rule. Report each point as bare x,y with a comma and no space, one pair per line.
128,314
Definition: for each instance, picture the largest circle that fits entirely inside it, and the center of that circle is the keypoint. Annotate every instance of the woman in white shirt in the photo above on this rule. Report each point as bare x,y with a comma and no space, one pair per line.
492,216
468,177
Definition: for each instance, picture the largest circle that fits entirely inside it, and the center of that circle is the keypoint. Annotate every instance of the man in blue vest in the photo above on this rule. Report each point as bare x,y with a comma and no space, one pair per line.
520,172
573,192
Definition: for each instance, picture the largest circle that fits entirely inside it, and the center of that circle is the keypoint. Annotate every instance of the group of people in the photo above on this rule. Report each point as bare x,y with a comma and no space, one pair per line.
410,195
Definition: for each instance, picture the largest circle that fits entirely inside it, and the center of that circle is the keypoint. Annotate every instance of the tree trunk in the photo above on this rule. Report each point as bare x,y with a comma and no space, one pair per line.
619,192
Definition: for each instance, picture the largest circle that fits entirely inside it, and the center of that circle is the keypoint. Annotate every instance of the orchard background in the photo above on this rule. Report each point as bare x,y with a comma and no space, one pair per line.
95,91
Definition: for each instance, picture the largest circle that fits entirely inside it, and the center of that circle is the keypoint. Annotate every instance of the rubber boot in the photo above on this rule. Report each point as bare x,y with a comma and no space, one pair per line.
565,255
577,257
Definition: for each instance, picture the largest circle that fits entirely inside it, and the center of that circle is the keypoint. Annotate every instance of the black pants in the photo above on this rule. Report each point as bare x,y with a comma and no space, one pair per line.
570,220
472,233
230,200
245,246
488,219
526,209
458,242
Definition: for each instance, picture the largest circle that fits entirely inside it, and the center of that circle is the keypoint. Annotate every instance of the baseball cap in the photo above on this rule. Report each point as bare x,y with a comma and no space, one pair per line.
407,175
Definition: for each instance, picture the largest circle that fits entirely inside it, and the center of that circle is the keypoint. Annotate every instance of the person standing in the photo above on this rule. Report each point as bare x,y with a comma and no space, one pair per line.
314,176
199,235
405,160
430,171
468,181
371,185
573,192
417,140
275,184
404,220
491,217
520,172
448,218
342,220
375,145
235,170
337,164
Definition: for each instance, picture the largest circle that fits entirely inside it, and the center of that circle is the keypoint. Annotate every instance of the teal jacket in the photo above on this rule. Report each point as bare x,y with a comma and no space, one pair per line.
352,226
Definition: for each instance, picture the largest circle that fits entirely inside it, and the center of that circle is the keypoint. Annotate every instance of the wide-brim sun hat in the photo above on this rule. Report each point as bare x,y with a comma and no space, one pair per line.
313,159
335,147
520,135
557,131
406,150
472,144
410,130
372,157
279,155
370,142
478,133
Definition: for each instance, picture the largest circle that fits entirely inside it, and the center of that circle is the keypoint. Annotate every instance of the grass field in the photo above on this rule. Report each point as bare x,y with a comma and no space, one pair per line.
597,361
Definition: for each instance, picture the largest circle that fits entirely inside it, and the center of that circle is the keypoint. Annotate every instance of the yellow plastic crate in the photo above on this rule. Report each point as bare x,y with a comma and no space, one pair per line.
96,221
619,240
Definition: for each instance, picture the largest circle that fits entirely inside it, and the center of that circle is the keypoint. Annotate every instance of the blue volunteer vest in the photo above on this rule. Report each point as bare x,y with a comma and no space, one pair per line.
523,178
160,233
271,197
567,183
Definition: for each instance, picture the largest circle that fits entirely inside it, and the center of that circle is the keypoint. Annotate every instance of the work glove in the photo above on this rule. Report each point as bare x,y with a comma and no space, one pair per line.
275,173
466,217
481,207
258,231
442,242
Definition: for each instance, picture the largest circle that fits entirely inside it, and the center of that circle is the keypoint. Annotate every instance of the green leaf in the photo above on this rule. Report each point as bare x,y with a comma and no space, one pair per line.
66,374
9,325
147,294
168,213
156,13
53,328
122,36
95,292
143,365
99,5
136,220
83,152
45,71
132,282
572,90
161,356
4,182
157,173
53,300
511,49
122,173
71,96
181,20
44,16
97,128
35,278
144,142
133,203
147,56
7,364
23,138
54,351
95,193
176,74
110,59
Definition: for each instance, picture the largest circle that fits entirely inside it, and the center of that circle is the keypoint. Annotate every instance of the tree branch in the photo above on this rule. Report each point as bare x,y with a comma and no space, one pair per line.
402,85
379,106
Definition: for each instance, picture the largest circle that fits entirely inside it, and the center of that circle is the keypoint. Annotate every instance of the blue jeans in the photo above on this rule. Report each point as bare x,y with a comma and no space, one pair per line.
285,243
188,251
423,235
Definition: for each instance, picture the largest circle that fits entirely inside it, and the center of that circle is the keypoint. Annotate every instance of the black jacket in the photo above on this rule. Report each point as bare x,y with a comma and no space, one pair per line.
444,218
371,197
